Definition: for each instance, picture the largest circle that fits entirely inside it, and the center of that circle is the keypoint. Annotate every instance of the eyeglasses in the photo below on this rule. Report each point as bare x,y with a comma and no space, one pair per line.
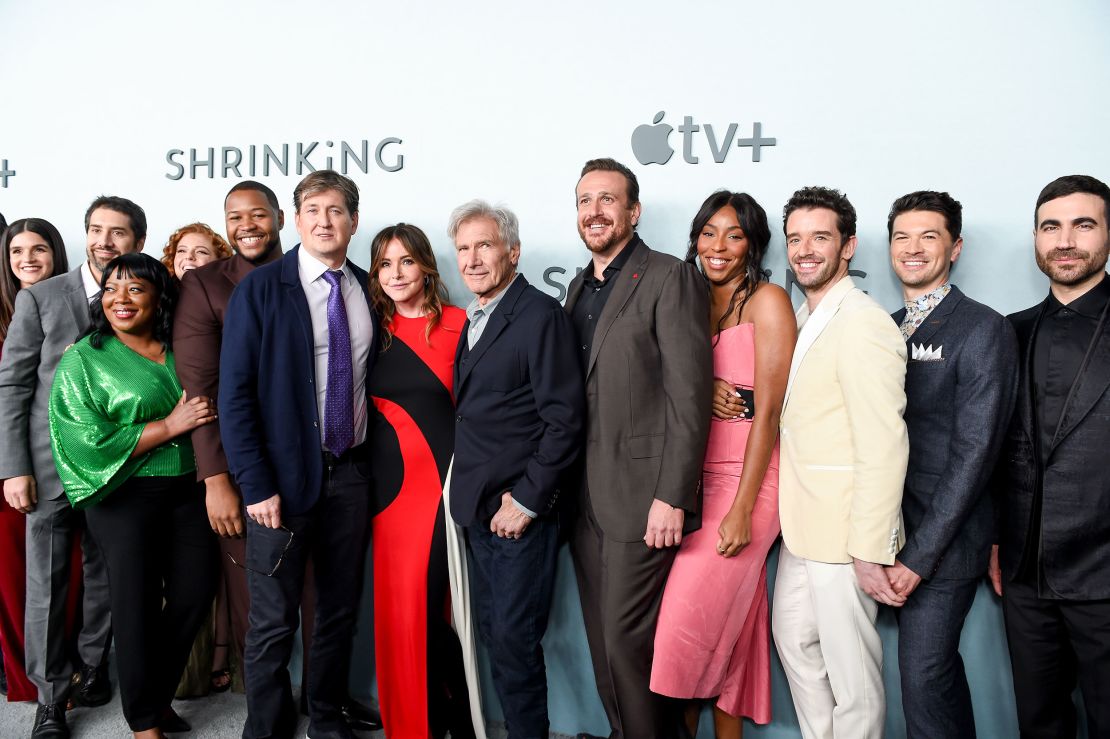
284,549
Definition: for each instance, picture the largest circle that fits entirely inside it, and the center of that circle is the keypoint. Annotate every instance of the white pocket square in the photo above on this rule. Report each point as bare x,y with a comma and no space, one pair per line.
926,353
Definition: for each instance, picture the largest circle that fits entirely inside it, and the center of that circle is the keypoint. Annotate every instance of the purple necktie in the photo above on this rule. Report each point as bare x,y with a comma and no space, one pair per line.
339,426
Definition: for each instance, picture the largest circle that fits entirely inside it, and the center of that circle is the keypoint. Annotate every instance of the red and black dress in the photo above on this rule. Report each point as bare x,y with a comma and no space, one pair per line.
421,684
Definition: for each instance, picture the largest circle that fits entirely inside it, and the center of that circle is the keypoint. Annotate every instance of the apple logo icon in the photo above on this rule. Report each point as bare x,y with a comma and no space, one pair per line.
649,143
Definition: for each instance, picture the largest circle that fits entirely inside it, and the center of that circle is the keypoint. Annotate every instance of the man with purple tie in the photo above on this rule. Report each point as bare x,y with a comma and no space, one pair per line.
293,411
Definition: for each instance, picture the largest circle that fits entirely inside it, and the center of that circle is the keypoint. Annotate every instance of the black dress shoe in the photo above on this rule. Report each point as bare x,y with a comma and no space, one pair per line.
172,723
50,722
91,686
361,717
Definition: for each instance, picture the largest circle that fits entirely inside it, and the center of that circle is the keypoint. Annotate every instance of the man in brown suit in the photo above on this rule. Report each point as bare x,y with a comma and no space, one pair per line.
643,320
254,220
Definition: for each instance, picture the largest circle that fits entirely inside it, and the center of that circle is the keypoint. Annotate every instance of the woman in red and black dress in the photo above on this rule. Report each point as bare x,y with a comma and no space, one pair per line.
422,685
33,251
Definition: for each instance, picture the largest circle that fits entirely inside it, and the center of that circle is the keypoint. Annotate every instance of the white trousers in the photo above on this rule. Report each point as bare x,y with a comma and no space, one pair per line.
824,628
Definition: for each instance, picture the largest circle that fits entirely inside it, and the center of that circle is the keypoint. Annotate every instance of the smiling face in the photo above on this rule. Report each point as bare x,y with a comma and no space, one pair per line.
723,247
253,226
194,250
922,251
31,258
130,304
326,227
605,217
486,264
401,278
1071,240
109,235
815,250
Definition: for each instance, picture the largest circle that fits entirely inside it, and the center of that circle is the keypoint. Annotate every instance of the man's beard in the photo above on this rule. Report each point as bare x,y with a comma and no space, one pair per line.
265,253
1093,263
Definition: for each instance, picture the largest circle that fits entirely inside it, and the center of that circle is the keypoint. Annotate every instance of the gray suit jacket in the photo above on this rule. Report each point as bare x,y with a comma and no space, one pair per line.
48,318
958,406
649,387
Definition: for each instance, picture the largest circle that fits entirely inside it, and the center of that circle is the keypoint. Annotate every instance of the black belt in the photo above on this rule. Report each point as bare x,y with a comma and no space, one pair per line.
331,460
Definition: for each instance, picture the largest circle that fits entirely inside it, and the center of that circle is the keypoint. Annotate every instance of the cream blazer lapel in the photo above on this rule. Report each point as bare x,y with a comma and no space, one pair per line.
812,325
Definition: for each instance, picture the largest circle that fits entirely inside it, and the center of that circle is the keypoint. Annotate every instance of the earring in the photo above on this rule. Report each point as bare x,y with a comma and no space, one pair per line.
427,280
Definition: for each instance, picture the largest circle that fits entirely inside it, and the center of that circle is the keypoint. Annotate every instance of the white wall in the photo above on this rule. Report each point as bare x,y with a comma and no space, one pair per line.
506,100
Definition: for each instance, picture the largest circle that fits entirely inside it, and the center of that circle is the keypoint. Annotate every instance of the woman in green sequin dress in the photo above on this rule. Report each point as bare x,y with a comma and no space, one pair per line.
119,426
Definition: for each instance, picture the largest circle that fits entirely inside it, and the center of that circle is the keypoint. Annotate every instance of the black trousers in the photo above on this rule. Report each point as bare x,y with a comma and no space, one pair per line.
162,561
1052,644
334,535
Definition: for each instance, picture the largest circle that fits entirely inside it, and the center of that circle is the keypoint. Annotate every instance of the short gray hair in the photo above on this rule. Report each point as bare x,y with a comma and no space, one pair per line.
508,227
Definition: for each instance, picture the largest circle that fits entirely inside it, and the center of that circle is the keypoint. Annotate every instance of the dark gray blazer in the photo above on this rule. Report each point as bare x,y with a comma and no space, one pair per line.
48,318
957,410
649,386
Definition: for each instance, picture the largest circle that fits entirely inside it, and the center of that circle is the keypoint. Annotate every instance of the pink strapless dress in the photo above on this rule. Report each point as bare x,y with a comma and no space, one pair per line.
713,637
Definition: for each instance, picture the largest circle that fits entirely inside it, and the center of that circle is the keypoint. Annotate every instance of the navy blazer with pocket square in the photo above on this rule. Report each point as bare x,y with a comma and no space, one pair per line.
960,392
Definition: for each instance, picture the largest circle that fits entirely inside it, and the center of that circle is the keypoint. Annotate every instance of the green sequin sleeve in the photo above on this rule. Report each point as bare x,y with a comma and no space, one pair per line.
91,451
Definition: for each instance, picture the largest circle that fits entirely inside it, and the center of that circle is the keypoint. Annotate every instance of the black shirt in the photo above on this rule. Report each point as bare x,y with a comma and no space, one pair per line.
1060,345
593,297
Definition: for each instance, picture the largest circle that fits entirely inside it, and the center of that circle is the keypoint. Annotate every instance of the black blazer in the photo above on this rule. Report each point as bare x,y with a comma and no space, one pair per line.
1075,513
269,420
957,410
519,407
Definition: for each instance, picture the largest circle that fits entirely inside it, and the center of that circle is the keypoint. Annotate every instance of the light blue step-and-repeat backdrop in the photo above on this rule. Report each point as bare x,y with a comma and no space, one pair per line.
428,104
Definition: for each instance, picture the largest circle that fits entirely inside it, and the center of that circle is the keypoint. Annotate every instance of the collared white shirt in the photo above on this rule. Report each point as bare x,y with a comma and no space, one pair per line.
92,287
316,291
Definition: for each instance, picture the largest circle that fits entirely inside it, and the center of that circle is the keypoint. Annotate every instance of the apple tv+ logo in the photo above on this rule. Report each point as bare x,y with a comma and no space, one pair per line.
650,143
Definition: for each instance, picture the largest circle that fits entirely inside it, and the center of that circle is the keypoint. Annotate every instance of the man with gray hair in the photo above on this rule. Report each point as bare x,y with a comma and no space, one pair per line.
517,431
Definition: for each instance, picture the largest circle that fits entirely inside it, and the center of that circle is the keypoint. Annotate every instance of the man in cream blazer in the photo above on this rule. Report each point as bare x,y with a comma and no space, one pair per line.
844,453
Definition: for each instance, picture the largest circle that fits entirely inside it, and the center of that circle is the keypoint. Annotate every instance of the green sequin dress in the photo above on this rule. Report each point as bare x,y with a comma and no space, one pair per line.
99,404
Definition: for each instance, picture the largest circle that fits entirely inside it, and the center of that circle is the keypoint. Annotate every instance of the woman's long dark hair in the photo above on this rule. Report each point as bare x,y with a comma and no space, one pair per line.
418,246
141,267
753,221
9,284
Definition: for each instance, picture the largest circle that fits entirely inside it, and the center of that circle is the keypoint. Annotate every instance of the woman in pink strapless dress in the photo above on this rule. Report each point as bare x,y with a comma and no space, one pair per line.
712,639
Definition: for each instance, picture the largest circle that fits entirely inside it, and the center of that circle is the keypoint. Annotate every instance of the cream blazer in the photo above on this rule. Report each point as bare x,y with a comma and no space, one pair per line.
843,443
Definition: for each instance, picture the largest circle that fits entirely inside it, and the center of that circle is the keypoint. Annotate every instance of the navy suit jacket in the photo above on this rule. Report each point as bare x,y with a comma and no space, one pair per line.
957,411
520,407
269,420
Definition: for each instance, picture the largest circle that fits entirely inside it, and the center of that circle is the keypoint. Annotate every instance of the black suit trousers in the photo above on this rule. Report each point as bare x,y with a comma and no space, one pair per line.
333,534
162,568
1052,644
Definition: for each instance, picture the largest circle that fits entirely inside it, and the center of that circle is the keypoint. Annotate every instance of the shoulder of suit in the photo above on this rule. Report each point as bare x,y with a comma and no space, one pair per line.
979,312
57,284
1025,316
532,296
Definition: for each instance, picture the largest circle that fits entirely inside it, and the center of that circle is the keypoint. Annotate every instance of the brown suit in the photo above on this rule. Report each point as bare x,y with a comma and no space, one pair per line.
649,380
198,325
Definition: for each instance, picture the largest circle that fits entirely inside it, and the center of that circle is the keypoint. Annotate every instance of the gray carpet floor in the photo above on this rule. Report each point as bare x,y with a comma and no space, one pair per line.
215,717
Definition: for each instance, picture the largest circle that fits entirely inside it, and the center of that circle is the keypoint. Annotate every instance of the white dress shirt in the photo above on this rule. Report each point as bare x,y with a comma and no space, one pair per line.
316,290
92,287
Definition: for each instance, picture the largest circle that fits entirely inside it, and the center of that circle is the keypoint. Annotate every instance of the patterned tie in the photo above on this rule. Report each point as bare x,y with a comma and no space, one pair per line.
339,427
